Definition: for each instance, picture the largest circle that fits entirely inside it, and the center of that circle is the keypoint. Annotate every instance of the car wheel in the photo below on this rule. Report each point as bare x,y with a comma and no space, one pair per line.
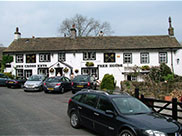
62,90
21,86
74,120
126,132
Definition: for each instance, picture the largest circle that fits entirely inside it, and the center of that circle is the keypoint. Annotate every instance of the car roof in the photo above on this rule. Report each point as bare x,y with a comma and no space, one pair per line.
101,92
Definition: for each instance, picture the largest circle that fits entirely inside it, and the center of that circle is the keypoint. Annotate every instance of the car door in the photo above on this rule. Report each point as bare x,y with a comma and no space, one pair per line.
104,123
67,83
86,109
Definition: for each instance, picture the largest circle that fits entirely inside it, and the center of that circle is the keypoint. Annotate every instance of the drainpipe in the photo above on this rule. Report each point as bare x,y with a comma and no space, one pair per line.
172,67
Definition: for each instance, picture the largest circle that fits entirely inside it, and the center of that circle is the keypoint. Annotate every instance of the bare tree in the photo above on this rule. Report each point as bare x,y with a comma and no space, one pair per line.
84,26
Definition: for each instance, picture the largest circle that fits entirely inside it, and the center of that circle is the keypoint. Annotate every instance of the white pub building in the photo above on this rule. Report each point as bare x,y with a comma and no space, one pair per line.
93,55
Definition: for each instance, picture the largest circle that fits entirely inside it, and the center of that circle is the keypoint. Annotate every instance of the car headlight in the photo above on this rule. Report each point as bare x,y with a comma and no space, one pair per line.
37,85
154,133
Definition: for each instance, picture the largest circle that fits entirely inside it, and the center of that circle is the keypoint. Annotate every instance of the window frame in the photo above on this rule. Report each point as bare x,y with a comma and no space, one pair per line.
44,57
61,57
110,57
127,58
144,59
89,55
30,58
19,58
161,58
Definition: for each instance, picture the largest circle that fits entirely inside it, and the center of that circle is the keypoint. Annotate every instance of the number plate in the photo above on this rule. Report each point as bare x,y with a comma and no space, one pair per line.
80,86
50,89
11,82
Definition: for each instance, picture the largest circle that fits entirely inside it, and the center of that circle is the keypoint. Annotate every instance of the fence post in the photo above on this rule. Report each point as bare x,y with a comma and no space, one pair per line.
137,93
174,109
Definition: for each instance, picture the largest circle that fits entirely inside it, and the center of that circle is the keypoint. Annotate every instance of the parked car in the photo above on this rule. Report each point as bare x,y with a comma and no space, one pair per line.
118,115
57,84
83,81
18,83
34,83
3,79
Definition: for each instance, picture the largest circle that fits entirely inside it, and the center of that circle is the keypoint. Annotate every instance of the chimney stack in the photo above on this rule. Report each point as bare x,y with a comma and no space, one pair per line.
17,34
170,29
101,33
73,32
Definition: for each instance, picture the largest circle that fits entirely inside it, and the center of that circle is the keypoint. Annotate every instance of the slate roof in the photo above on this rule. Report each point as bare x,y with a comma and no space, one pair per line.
1,52
93,43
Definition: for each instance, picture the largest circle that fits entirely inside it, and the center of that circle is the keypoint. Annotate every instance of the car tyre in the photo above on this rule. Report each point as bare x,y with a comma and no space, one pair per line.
126,132
62,90
74,120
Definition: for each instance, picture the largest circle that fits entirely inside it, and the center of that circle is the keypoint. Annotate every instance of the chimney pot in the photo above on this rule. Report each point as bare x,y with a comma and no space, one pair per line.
73,32
17,34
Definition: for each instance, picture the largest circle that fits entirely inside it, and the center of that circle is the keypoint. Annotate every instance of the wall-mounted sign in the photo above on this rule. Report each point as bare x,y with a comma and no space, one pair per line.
42,66
19,66
109,65
30,66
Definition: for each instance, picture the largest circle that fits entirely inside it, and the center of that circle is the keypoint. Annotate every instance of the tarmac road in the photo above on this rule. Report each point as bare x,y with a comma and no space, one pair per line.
35,113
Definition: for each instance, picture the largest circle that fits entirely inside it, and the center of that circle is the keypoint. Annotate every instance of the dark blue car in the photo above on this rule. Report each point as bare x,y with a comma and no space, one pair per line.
3,79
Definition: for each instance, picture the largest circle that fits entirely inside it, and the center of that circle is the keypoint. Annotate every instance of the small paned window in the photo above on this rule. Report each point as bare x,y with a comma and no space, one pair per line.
31,58
19,58
61,57
144,57
19,73
109,57
127,58
89,56
162,57
44,57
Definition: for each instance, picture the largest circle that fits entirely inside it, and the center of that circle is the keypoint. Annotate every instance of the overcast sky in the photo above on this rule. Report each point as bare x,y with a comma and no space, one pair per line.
127,18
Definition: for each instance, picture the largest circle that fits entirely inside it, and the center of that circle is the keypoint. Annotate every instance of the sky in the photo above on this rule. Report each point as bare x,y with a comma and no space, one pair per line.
127,18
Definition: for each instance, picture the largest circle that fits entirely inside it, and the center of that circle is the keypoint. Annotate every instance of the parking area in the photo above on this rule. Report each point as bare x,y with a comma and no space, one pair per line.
35,113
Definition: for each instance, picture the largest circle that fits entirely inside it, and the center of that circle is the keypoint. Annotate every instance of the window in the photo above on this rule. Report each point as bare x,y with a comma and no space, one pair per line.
19,73
89,99
131,78
144,58
43,71
19,58
31,58
61,57
90,71
109,57
28,73
162,57
44,57
104,104
89,56
127,58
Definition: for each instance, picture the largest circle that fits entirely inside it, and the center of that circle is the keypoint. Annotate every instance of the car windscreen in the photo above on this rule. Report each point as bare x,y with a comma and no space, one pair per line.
81,79
130,105
35,78
53,80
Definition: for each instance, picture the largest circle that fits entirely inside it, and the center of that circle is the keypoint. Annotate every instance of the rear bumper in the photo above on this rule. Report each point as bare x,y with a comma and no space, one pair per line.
47,89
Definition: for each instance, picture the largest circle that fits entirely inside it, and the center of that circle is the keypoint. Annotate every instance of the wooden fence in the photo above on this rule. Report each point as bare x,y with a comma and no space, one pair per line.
167,108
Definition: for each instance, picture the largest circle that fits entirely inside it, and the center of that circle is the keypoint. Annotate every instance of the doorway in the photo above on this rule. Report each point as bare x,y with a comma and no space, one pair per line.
59,71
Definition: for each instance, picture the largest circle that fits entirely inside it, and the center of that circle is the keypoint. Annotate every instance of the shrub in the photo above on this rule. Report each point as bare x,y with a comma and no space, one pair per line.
145,67
9,74
108,83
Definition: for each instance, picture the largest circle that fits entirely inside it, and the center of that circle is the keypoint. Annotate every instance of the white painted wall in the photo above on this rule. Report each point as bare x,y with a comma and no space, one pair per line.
76,61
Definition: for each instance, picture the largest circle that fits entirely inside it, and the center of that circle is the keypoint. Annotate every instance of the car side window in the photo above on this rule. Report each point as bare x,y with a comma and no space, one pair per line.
89,99
77,97
104,104
66,79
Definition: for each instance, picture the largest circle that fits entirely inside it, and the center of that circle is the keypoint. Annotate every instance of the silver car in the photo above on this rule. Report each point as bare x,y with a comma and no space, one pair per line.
34,83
